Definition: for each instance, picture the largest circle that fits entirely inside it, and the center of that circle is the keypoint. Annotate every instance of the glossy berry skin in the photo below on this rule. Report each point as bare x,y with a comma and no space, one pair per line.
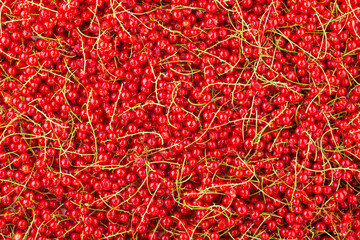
179,119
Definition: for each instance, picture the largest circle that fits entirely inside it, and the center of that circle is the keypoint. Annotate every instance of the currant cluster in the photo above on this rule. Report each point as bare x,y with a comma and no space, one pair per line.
179,119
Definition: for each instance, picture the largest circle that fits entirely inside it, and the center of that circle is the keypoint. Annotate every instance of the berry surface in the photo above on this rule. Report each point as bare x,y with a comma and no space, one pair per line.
179,119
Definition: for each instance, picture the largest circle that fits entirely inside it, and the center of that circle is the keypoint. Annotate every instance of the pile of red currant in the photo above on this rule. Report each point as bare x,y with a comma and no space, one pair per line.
179,119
